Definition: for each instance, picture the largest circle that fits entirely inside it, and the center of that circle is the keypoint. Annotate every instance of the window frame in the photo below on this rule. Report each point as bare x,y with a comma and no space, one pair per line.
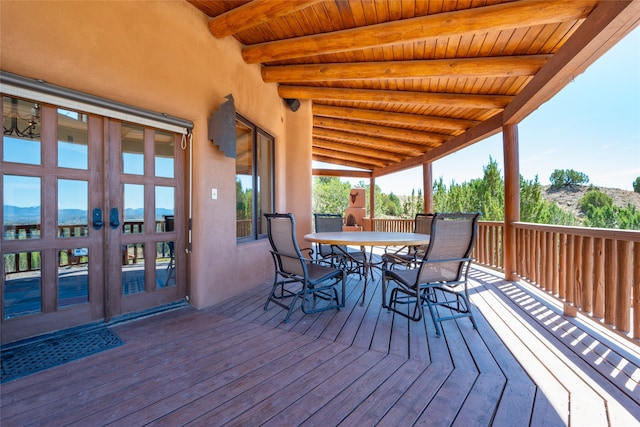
256,133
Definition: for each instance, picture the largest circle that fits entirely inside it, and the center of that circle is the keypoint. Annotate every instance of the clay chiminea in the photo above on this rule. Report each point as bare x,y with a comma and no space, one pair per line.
356,210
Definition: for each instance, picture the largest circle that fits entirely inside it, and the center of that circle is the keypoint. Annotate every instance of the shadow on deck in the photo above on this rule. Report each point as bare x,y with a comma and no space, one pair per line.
237,364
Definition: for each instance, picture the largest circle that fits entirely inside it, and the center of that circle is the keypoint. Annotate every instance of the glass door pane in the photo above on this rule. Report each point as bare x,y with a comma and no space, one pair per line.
21,138
73,143
22,215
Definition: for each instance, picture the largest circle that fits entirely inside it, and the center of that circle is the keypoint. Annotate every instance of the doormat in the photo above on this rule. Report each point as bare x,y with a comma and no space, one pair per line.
33,357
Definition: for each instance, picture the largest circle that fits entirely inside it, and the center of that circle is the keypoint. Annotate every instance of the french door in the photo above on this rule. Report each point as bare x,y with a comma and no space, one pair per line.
92,218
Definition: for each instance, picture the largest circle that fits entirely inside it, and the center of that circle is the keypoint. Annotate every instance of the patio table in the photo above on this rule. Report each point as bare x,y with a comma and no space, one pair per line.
367,238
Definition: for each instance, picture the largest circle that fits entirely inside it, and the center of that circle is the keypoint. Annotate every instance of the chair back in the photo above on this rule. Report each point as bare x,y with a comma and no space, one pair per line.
326,222
452,238
422,223
281,229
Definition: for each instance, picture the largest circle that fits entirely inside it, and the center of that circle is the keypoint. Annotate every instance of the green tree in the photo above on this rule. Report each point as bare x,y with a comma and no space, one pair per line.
488,193
567,177
636,185
413,204
594,199
629,218
440,196
330,195
243,201
390,205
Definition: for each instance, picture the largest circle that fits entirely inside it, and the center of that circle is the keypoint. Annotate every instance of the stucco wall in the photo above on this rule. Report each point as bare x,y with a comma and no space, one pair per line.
159,55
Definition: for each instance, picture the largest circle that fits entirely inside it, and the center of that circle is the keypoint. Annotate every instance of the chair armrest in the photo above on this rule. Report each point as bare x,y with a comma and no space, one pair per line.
304,259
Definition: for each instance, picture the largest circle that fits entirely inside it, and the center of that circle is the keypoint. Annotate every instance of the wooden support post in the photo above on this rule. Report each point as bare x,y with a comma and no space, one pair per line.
427,186
372,199
511,198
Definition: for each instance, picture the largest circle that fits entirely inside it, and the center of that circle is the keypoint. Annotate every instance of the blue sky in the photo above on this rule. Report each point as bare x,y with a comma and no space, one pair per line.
591,126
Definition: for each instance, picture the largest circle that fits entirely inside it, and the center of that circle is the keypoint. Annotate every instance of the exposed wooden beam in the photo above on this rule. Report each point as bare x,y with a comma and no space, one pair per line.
355,149
344,163
427,139
369,141
254,13
392,118
494,67
341,173
466,22
450,100
349,156
345,159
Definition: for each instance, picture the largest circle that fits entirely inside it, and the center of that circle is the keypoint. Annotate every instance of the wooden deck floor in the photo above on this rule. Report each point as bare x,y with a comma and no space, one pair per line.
235,364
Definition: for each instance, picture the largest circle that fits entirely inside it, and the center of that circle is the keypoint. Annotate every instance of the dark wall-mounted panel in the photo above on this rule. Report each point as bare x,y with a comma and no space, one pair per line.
222,127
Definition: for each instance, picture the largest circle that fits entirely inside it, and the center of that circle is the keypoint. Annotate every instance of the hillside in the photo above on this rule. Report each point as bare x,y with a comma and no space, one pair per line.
567,198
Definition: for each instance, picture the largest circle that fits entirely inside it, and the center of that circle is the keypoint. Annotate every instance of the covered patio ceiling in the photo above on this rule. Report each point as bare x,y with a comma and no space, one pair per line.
396,84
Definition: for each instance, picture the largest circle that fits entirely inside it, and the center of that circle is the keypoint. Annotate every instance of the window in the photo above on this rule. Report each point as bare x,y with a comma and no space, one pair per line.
254,179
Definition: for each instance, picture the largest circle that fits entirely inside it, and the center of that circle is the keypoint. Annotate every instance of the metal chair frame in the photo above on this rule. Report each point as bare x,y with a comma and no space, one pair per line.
312,281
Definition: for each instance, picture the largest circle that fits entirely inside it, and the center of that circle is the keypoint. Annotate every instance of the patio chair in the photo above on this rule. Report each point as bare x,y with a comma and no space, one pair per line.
350,259
299,277
407,256
440,278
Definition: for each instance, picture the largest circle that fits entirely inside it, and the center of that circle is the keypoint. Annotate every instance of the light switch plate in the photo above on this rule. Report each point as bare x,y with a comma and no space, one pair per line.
214,193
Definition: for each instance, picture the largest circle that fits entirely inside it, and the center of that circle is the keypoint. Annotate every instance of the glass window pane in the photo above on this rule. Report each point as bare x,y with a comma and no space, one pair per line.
133,208
244,180
73,145
132,149
73,217
21,201
165,265
21,137
132,268
164,152
73,277
265,176
165,208
22,284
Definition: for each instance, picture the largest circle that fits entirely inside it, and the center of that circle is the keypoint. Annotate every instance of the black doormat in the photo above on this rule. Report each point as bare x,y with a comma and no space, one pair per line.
37,356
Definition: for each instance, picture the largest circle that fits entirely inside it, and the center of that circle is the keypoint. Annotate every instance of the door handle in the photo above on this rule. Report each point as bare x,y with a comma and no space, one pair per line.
113,218
97,219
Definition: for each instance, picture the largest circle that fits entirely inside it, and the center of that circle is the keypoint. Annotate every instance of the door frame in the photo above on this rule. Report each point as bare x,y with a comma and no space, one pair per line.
105,301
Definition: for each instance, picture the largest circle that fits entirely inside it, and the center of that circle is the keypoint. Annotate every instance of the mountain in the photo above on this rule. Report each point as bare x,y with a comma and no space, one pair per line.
31,215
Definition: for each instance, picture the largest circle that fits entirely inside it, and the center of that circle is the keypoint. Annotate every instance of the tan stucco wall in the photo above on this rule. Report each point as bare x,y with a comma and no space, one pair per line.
159,55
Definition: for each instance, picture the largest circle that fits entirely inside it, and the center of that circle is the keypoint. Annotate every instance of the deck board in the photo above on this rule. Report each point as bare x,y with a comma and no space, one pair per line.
239,364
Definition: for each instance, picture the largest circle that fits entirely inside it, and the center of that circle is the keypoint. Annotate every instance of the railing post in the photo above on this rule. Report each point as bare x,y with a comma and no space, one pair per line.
623,309
636,290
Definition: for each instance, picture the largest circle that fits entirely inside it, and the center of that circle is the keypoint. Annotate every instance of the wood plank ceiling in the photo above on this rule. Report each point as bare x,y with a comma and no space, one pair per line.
394,84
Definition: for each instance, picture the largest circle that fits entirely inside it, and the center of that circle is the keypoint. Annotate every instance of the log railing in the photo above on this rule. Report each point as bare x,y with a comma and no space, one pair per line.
594,271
